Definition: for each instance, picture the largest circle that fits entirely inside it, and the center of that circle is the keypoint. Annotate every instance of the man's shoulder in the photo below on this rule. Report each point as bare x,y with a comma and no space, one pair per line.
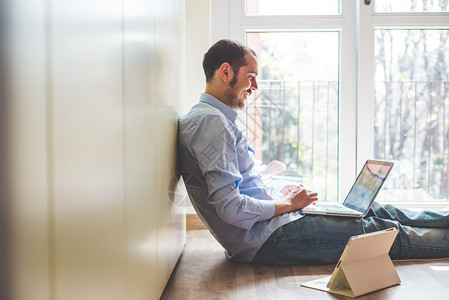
206,122
201,113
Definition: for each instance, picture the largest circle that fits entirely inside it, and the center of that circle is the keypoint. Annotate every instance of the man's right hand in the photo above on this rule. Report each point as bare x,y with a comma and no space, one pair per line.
297,198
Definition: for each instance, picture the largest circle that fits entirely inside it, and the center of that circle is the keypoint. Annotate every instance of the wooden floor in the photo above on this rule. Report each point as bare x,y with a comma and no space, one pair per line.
204,273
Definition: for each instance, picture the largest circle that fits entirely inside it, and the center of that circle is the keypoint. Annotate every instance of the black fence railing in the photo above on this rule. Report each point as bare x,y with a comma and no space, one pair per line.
297,122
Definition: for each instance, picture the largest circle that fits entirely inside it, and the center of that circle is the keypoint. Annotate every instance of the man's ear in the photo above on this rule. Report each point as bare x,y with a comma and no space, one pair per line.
226,72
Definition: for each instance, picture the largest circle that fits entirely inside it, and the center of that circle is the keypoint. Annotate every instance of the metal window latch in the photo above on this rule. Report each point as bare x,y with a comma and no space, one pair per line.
367,2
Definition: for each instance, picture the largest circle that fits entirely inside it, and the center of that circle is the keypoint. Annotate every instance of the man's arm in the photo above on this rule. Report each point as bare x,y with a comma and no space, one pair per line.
219,153
298,197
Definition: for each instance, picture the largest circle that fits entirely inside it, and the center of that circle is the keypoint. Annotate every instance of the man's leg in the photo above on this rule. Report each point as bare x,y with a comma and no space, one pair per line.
309,240
322,239
424,218
422,234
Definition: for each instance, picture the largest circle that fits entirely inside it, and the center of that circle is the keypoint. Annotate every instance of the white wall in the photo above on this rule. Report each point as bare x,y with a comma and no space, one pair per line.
197,43
92,99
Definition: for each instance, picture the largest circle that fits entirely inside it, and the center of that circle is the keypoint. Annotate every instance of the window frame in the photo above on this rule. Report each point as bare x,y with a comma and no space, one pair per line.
356,23
240,24
369,21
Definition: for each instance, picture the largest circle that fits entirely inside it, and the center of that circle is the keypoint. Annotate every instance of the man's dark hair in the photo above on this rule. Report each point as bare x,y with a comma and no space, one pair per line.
229,51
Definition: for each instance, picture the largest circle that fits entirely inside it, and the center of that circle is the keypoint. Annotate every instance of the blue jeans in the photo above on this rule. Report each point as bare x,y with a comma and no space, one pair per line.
322,239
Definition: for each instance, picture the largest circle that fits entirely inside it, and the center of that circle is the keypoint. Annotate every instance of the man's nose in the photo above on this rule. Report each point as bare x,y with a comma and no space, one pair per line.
254,85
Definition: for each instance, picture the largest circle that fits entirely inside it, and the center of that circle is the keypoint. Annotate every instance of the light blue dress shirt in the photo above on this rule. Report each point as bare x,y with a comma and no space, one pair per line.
217,169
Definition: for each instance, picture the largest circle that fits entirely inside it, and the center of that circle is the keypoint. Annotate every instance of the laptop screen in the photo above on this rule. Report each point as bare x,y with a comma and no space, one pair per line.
367,185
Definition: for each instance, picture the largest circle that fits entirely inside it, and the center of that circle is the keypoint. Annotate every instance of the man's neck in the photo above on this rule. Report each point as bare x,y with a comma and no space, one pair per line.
217,93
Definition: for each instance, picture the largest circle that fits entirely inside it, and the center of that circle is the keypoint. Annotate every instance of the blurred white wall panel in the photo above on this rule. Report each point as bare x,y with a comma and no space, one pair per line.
27,147
169,75
94,93
140,152
88,139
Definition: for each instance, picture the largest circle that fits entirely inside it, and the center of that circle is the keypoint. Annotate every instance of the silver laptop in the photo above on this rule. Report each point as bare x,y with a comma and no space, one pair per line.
360,197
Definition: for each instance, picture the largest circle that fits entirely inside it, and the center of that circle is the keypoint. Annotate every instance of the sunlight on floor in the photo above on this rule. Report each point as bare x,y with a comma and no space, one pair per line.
440,268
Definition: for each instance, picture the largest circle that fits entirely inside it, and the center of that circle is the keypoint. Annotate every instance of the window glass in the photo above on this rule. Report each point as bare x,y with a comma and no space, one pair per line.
412,111
293,116
292,7
411,6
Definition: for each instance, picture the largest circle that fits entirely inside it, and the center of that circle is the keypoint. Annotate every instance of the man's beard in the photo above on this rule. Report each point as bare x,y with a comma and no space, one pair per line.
231,96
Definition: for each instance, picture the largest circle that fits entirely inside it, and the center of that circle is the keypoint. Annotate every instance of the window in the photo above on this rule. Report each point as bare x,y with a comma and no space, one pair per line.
341,82
298,113
297,104
389,6
411,100
288,7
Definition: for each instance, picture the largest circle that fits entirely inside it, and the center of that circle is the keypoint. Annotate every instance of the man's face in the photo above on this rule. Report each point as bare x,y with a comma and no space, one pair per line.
242,84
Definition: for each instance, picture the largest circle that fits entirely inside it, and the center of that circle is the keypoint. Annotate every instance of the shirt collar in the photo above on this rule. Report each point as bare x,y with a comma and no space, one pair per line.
226,110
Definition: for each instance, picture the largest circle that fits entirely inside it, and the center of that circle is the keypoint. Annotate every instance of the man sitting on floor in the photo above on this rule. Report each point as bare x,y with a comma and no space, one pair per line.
217,166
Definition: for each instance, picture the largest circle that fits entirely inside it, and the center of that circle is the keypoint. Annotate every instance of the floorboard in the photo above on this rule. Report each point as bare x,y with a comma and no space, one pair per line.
203,272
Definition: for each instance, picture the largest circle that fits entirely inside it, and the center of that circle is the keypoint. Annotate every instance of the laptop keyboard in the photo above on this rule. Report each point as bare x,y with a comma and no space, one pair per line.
334,208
